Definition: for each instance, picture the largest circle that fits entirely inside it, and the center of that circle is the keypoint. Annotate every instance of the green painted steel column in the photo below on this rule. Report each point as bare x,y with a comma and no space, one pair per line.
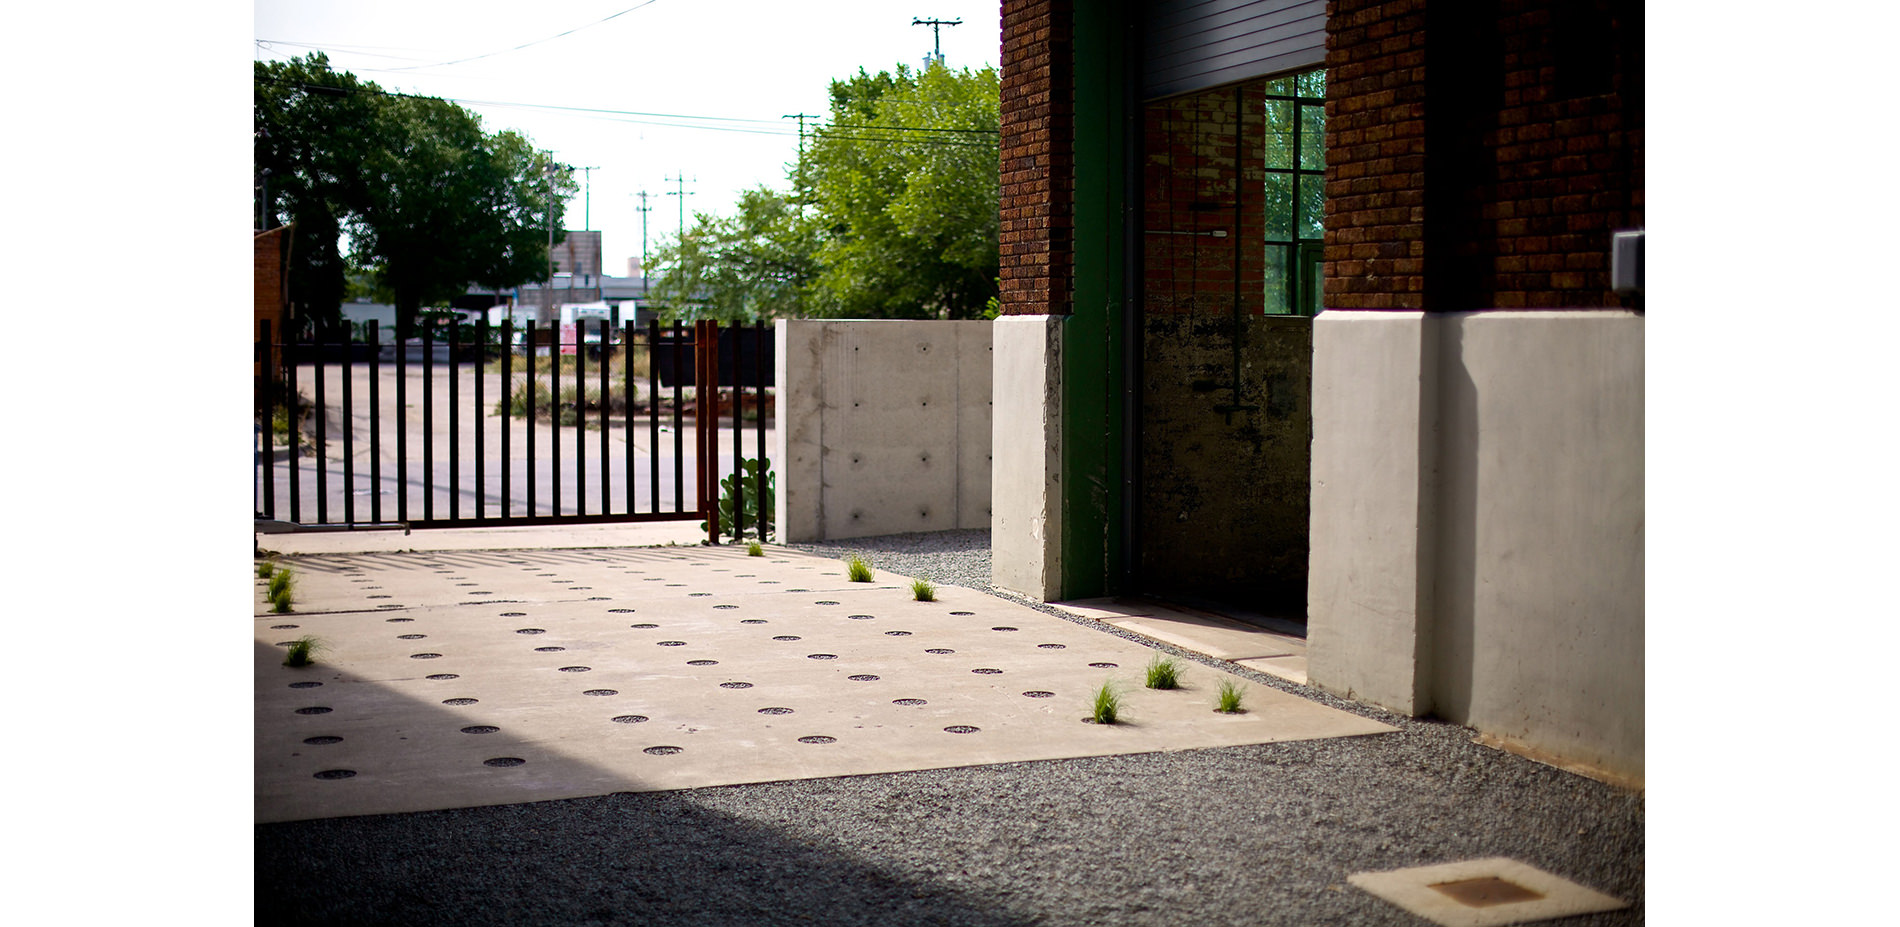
1092,337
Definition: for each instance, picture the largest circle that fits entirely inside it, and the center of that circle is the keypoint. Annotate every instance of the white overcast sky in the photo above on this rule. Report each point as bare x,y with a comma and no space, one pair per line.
738,66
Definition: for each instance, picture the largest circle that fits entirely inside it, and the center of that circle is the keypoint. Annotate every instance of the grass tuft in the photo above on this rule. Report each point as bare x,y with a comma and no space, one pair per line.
303,650
754,549
1107,704
858,568
923,590
265,568
282,581
1164,673
1227,700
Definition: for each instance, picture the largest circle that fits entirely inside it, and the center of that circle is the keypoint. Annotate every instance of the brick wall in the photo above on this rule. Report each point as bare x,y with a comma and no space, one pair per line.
1038,163
1497,144
269,251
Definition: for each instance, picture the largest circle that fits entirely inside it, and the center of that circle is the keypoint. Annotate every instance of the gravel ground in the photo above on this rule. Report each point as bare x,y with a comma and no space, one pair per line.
1255,835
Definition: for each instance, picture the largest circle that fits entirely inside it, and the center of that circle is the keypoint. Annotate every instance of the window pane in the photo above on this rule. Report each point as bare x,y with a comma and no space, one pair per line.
1280,87
1278,300
1313,138
1312,84
1278,207
1279,133
1312,205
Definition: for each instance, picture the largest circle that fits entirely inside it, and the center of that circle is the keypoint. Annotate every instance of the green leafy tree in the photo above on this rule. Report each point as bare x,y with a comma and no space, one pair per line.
430,202
758,264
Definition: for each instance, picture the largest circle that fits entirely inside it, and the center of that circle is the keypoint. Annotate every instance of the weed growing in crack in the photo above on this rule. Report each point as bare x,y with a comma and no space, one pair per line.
923,590
282,581
1107,704
1164,673
303,650
858,568
265,568
1227,700
754,549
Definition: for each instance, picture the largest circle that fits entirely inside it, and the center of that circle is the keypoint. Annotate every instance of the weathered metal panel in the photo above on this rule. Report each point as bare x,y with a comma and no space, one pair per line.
1191,45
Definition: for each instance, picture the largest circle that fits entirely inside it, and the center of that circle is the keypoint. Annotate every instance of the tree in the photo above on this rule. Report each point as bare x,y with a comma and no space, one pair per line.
758,264
430,202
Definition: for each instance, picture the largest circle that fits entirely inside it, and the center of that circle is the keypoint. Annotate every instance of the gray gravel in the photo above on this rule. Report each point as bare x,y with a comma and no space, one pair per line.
1254,835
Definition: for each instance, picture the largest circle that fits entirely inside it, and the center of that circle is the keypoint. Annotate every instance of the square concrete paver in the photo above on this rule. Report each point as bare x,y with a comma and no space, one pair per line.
1484,893
467,678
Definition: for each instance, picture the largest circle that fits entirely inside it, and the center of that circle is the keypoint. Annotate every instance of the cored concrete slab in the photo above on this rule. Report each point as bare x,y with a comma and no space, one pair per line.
583,672
1201,632
1484,893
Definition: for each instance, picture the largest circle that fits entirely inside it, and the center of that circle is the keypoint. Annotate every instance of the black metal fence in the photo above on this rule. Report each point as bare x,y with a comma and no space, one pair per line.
479,426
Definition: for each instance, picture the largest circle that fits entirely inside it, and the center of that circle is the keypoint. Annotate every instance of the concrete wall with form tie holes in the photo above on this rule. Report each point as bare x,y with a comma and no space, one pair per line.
883,427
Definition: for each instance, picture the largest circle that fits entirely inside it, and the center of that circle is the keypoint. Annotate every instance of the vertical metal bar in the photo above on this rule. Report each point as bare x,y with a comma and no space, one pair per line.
267,405
758,385
554,418
580,416
507,421
532,387
679,437
738,436
626,401
428,424
294,412
455,404
481,416
349,433
709,430
323,483
402,426
653,416
375,333
606,402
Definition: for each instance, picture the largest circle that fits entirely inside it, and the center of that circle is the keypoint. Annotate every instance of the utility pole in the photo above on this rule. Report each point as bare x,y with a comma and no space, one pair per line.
643,209
936,32
587,203
682,193
799,181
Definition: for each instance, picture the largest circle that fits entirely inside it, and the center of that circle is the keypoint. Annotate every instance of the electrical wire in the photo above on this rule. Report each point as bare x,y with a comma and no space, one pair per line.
441,64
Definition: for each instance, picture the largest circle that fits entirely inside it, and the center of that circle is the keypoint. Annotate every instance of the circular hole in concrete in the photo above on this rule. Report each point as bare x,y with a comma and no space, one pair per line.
987,671
817,739
514,614
467,584
600,598
897,633
909,702
672,643
1002,628
1104,665
644,625
862,617
335,774
282,627
398,620
410,637
940,650
563,580
629,719
798,590
314,710
531,630
962,729
480,729
675,585
321,741
620,611
698,595
549,649
662,750
963,613
1052,646
752,621
735,685
702,662
775,711
283,643
305,685
1038,693
378,597
725,606
389,605
504,761
821,656
423,656
601,692
786,637
441,676
460,701
823,601
576,669
862,677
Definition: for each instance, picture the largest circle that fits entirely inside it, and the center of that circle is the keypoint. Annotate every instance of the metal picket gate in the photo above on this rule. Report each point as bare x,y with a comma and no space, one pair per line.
347,438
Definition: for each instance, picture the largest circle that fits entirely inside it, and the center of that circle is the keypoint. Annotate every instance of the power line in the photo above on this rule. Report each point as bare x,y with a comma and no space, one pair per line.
551,38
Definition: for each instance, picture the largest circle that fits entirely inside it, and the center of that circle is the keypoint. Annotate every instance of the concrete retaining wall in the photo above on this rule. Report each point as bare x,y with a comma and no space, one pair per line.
883,427
1478,524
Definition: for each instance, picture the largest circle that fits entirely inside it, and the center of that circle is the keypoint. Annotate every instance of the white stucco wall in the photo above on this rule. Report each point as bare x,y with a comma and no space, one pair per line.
883,427
1524,532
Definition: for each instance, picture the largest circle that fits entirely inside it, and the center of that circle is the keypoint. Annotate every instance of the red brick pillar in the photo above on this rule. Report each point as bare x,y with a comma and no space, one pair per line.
1375,154
1038,167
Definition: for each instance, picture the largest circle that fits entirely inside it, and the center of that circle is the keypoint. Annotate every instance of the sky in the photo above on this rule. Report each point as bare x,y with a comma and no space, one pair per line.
715,80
